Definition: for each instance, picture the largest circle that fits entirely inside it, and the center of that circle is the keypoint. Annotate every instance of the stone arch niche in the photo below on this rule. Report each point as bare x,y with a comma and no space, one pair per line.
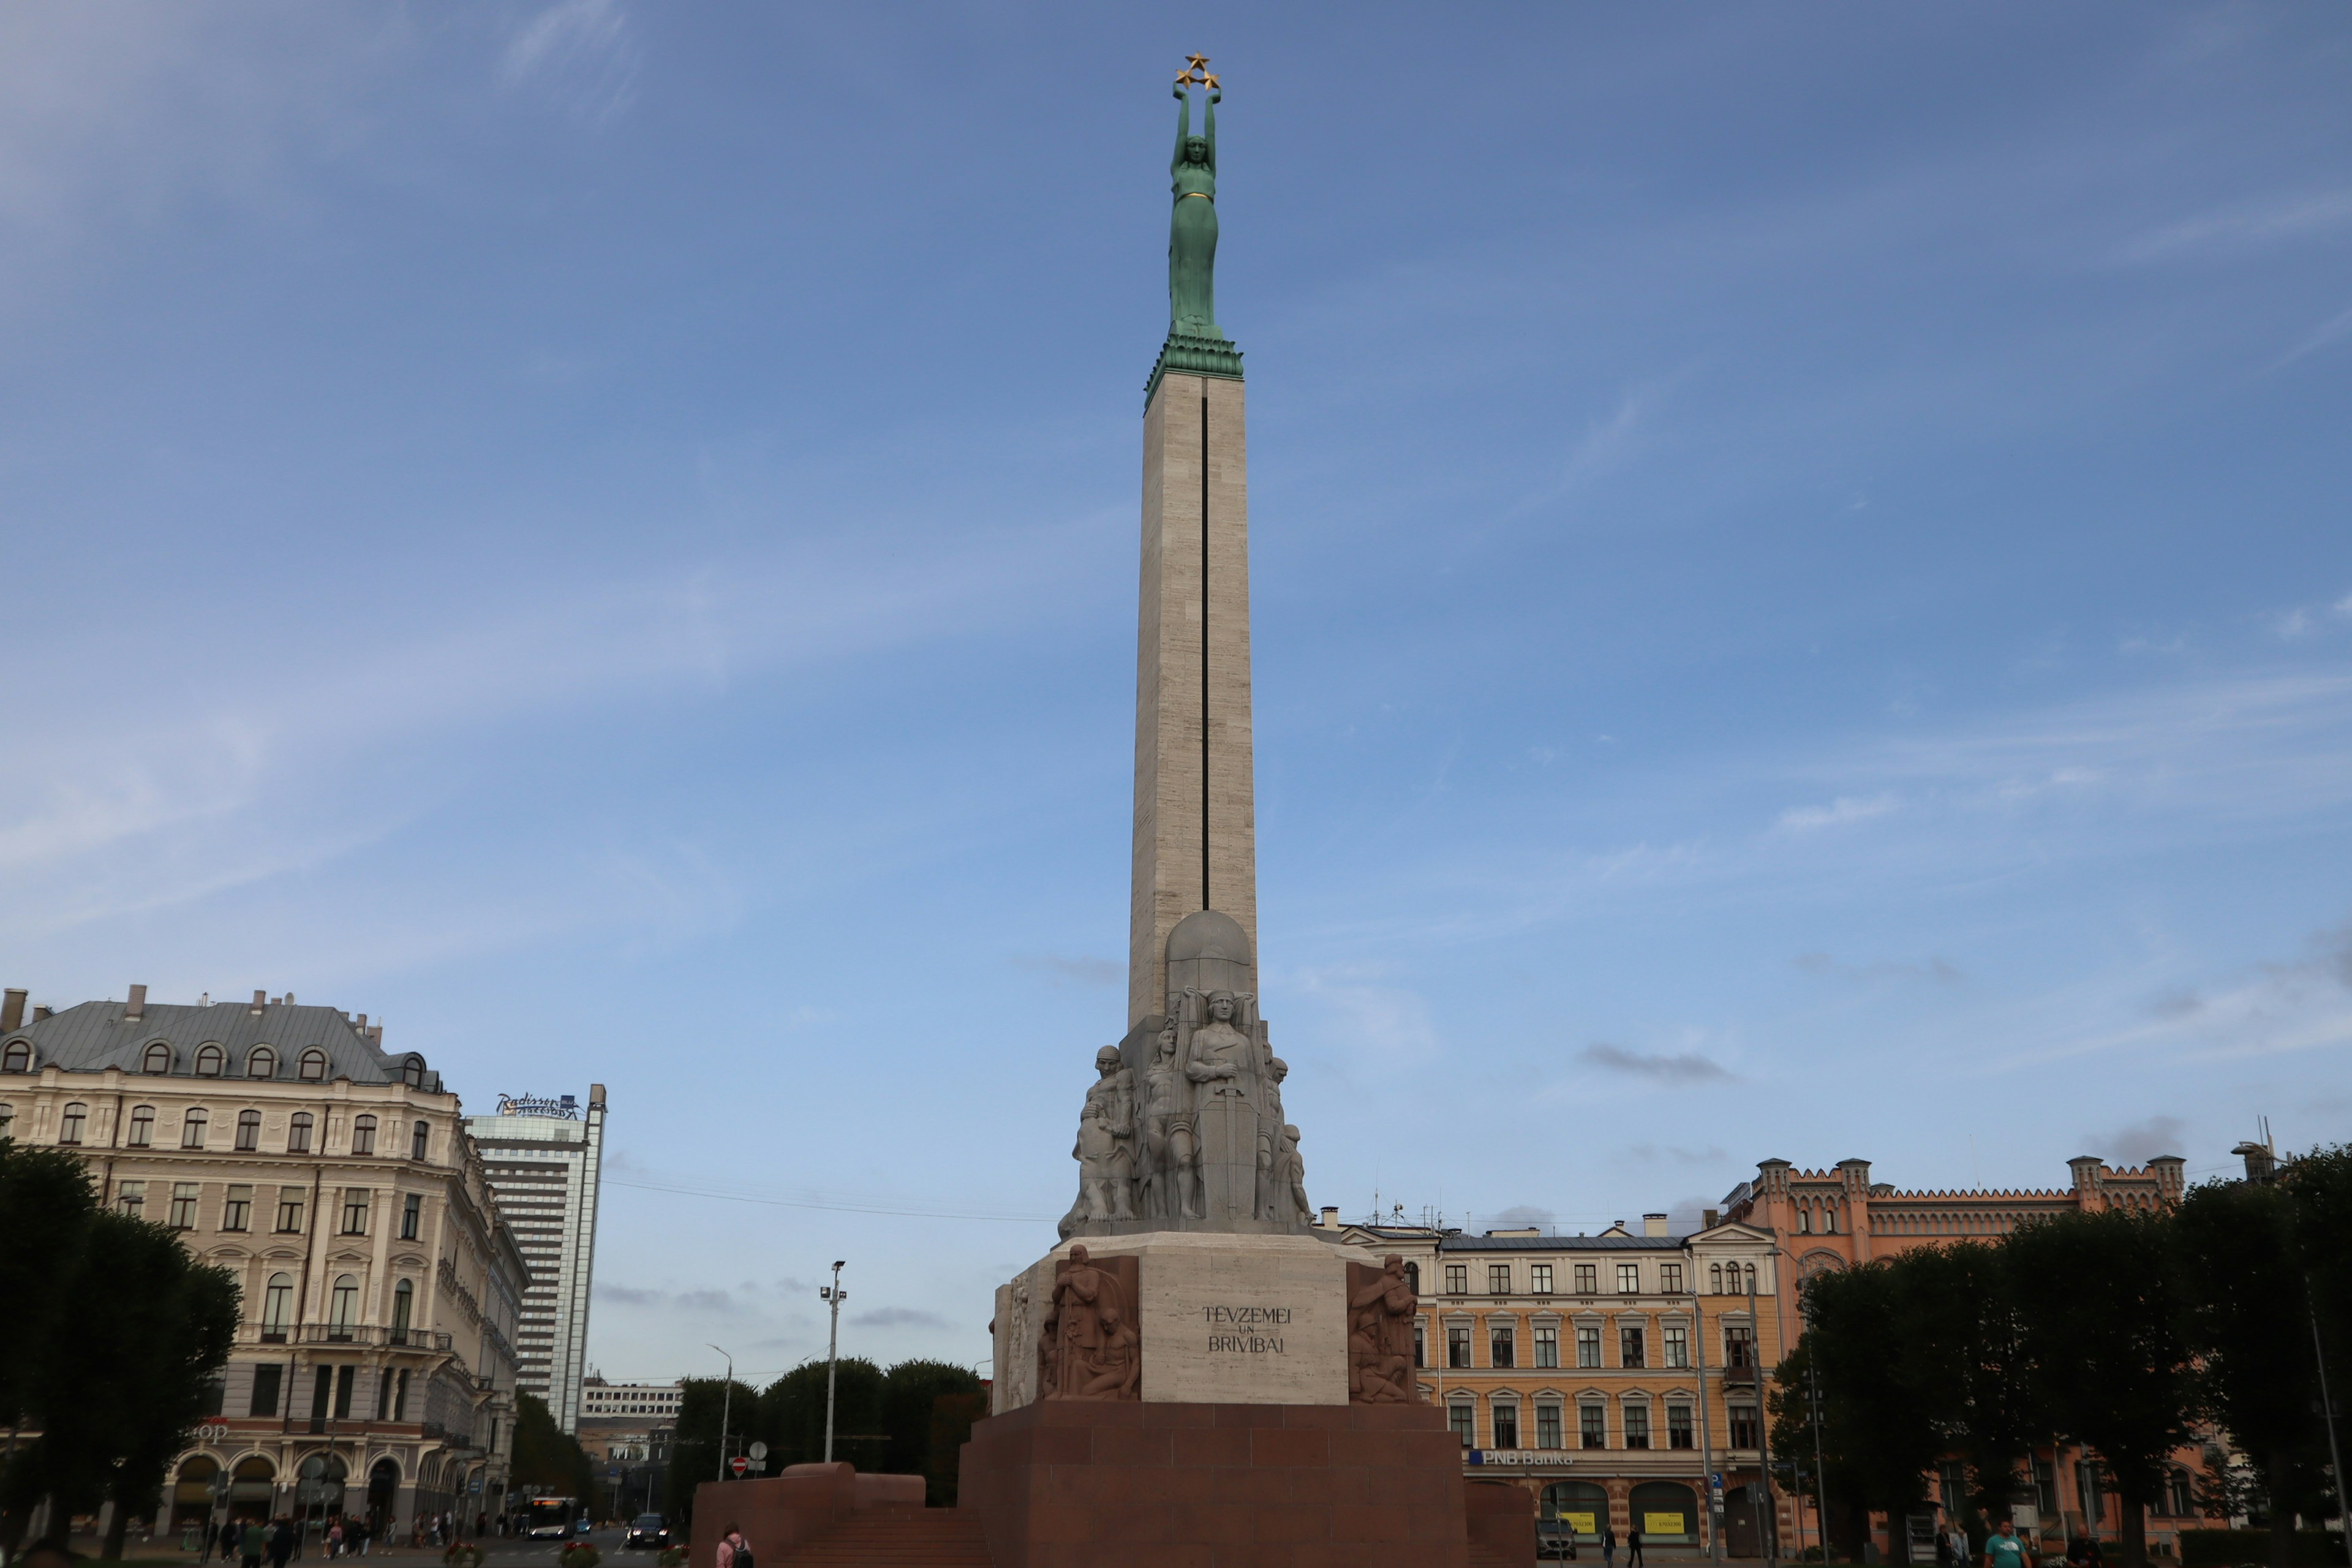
252,1488
193,1489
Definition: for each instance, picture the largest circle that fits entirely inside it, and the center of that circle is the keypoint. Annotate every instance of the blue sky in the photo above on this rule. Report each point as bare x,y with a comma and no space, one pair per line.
1803,587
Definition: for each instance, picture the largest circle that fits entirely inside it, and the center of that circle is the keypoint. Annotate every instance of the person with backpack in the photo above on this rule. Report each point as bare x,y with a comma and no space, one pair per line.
734,1552
1633,1549
1609,1546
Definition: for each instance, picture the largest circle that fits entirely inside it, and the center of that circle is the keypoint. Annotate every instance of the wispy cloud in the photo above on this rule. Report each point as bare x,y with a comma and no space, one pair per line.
900,1318
2219,231
1839,812
1880,968
1685,1067
579,53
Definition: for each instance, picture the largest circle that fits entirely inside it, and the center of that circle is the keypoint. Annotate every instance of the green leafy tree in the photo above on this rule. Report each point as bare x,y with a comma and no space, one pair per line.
1881,1428
1961,1309
2106,1339
45,1204
2319,1187
921,1401
546,1458
694,1450
129,1335
793,1412
2244,1292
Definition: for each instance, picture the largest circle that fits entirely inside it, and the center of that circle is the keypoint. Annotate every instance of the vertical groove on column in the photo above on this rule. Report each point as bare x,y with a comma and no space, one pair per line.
1204,650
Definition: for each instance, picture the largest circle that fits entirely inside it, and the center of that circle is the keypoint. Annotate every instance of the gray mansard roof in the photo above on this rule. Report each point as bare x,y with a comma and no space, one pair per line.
94,1036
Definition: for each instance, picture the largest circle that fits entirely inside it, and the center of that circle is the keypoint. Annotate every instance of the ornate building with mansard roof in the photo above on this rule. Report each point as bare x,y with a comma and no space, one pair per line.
373,1371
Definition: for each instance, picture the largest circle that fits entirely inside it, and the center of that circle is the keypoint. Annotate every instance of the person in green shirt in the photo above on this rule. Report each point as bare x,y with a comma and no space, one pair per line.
2004,1550
254,1543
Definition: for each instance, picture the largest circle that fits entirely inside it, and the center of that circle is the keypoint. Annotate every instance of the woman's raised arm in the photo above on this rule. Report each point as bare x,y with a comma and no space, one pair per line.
1184,124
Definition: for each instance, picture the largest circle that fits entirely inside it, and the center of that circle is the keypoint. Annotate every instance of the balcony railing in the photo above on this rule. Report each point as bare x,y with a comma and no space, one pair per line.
431,1339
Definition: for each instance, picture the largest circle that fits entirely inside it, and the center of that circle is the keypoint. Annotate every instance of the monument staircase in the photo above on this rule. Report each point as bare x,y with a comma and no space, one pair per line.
896,1537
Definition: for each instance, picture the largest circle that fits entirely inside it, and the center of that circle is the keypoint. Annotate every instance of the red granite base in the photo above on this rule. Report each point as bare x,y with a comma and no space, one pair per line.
1080,1483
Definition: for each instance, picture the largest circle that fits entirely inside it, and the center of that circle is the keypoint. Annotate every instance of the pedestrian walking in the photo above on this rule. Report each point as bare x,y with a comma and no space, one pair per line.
2004,1550
1954,1546
284,1542
230,1532
734,1552
1632,1548
1608,1547
252,1543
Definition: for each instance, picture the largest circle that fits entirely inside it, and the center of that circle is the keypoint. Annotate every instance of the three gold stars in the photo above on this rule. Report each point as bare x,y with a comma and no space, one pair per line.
1196,72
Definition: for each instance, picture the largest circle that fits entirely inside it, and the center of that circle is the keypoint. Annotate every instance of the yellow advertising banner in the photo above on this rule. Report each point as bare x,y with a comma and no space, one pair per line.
1581,1523
1663,1524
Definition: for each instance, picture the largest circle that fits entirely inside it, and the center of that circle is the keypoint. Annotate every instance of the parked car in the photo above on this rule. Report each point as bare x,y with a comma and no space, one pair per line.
649,1531
1556,1538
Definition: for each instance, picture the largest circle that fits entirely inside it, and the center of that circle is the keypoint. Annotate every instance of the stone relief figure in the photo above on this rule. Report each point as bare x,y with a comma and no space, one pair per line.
1090,1346
1171,1143
1271,1198
1380,1334
1105,1149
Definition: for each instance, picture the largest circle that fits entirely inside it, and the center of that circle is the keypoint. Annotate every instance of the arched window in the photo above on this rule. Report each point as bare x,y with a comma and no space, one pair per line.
414,1073
248,1131
142,1127
404,1301
276,1307
297,1133
159,1059
314,1066
261,1062
364,1136
192,1127
17,1057
71,1124
420,1137
210,1061
342,1307
1751,1279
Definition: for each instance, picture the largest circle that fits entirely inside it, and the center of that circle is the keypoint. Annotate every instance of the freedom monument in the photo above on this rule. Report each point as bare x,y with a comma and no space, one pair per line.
1198,1375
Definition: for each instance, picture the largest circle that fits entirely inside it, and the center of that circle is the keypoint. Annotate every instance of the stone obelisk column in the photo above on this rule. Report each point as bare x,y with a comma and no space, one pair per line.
1196,803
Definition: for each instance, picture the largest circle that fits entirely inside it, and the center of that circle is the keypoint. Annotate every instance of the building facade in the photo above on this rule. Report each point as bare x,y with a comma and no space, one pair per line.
545,1158
373,1370
1837,1217
1614,1375
627,1429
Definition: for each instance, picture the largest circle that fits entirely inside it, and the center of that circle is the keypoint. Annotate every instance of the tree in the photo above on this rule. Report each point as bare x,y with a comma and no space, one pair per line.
1961,1311
792,1414
2104,1338
920,1403
694,1444
1881,1428
2248,1320
122,1353
45,1204
2318,1186
546,1458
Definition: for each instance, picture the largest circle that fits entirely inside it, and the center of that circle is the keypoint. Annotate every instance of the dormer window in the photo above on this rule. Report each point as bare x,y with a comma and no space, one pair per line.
159,1059
210,1061
415,1073
17,1057
313,1066
261,1062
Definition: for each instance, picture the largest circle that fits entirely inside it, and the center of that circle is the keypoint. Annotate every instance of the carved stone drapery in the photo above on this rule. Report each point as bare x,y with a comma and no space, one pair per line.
1090,1347
1381,1307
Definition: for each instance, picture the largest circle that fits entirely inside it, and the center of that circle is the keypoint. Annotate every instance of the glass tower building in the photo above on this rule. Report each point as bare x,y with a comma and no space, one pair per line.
543,1157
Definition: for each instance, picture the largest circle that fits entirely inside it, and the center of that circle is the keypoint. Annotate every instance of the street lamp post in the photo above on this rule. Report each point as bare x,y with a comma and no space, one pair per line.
725,1408
834,1294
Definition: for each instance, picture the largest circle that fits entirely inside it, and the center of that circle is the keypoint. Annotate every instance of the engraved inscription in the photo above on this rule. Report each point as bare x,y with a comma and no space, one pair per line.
1223,1319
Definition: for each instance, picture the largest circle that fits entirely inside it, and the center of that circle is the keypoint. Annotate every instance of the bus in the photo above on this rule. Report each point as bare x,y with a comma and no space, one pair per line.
551,1518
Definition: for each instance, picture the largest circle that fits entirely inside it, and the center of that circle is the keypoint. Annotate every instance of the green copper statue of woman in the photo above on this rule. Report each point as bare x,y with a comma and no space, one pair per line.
1192,230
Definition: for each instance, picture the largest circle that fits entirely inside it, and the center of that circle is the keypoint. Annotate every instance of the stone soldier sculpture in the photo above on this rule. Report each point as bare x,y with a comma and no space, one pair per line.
1171,1143
1105,1148
1379,1338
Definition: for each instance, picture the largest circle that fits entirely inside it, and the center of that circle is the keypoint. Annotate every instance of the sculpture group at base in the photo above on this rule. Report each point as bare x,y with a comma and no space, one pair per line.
1381,1308
1207,1141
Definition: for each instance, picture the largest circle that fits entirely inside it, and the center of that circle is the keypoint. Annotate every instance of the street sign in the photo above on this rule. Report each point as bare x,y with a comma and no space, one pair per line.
738,1463
759,1450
